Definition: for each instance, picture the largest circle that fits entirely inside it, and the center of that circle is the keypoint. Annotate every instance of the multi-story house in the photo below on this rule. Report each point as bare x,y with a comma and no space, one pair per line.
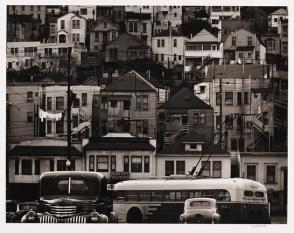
167,17
183,113
218,13
88,12
102,34
37,11
168,48
243,46
275,20
232,25
28,159
202,47
183,154
190,13
245,117
270,169
54,10
23,102
139,25
71,28
129,105
126,47
20,28
23,55
55,102
121,156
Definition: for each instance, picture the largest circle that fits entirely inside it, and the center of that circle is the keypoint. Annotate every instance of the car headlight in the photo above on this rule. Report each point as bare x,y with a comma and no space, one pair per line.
94,217
31,216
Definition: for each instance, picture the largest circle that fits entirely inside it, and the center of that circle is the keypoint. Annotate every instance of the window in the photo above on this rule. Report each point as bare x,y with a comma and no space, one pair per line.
202,89
60,126
91,163
162,57
16,166
196,118
234,144
158,43
145,127
49,103
133,27
169,168
180,167
59,103
26,167
113,53
102,163
138,127
229,98
229,120
136,164
29,96
51,165
76,37
249,40
138,102
233,40
76,24
113,163
285,47
49,126
14,51
239,98
83,11
84,99
75,121
61,165
113,103
144,27
202,118
162,43
62,24
241,55
146,164
96,36
246,98
126,164
175,43
180,57
251,172
37,167
29,117
175,57
206,168
9,65
271,174
145,102
249,55
217,168
126,104
218,98
22,8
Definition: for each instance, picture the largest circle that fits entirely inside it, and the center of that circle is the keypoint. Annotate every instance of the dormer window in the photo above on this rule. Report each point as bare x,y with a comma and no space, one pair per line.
191,146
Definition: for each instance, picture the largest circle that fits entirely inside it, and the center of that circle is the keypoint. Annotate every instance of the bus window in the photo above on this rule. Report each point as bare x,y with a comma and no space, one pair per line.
259,194
172,196
185,195
223,195
191,195
132,196
156,196
248,193
144,196
120,196
197,194
209,194
166,196
178,196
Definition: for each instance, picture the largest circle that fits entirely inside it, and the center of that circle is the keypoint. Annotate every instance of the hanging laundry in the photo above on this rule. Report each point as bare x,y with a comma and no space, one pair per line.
47,115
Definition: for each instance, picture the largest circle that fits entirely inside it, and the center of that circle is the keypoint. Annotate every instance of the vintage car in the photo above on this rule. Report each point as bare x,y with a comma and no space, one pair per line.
71,197
200,210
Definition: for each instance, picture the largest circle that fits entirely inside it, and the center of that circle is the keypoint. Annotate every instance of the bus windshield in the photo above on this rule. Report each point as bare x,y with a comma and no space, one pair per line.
69,186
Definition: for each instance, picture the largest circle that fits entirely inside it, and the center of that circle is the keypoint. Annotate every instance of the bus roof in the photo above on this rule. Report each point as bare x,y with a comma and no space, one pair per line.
190,184
76,174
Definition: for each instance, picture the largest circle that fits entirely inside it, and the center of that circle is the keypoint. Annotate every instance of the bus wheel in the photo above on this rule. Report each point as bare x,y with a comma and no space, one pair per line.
134,216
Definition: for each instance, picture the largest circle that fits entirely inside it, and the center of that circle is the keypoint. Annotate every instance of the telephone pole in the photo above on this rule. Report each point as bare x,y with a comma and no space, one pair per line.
68,163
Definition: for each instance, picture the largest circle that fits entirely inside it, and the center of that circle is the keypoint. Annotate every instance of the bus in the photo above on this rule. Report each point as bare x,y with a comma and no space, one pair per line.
162,200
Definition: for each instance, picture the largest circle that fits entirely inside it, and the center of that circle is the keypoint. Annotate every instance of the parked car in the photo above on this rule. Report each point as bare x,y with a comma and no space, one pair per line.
70,197
200,210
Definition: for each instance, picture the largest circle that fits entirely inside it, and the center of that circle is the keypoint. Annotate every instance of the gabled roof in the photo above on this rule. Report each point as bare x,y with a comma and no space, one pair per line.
120,143
178,147
203,36
91,81
42,151
165,33
185,99
131,82
280,11
132,40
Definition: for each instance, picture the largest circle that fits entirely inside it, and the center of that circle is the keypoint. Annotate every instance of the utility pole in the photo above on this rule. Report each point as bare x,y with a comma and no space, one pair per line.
68,163
220,110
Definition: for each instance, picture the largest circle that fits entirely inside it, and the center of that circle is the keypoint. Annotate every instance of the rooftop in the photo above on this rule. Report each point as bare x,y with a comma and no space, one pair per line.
184,99
203,36
166,33
43,151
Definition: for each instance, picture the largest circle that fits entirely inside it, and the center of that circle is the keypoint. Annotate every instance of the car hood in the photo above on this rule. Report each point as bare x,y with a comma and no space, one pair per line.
68,200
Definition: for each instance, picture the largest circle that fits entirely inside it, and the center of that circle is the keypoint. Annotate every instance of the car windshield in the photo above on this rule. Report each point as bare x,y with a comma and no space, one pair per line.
200,204
69,186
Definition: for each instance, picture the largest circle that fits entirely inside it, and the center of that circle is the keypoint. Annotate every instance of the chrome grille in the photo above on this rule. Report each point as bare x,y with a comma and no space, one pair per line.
51,219
63,211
